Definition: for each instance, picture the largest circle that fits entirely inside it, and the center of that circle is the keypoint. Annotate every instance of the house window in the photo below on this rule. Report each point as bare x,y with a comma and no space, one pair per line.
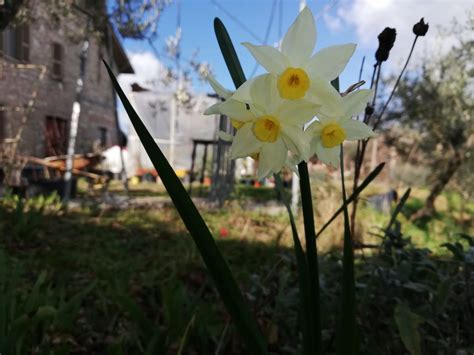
103,136
15,42
58,60
55,136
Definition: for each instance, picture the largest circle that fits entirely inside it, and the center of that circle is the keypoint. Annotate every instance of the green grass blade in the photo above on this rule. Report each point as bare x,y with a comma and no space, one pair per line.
303,277
397,210
228,51
312,258
346,341
217,266
373,174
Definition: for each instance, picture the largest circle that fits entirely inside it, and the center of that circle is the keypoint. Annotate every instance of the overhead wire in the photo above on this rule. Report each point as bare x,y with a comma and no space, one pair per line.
267,33
280,20
236,20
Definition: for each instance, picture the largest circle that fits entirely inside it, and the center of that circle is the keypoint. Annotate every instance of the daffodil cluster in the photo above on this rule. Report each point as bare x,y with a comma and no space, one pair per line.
274,114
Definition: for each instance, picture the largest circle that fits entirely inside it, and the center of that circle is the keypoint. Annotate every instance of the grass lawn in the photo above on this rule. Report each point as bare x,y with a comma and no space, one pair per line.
109,281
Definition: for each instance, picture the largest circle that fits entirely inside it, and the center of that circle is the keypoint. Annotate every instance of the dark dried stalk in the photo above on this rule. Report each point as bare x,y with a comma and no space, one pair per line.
362,145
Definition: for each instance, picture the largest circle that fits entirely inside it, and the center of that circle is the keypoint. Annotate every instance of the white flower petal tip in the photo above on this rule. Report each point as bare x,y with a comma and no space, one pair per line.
270,58
329,62
355,102
356,130
218,88
328,156
298,42
235,109
213,110
224,136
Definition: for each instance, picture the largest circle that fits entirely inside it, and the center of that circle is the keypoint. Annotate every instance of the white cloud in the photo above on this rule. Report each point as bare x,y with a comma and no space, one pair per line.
369,17
334,23
147,67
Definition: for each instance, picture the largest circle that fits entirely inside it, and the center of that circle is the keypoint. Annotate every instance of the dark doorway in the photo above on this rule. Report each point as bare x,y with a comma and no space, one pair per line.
55,136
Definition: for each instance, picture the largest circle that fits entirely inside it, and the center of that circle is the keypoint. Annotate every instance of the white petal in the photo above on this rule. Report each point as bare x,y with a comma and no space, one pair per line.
214,109
226,137
297,141
297,112
299,40
356,129
323,93
272,158
243,92
270,58
315,128
231,108
329,62
218,88
245,143
355,102
328,156
265,94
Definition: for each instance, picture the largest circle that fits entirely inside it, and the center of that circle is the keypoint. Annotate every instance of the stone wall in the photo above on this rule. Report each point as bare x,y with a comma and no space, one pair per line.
55,97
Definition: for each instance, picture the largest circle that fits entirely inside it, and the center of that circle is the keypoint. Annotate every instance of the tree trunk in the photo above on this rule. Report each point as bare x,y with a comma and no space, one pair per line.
440,183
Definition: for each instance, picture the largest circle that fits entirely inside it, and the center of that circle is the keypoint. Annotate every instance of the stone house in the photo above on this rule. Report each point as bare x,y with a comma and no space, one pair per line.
39,67
156,109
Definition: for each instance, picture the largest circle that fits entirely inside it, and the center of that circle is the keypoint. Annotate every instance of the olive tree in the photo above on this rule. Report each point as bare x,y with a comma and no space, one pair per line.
433,112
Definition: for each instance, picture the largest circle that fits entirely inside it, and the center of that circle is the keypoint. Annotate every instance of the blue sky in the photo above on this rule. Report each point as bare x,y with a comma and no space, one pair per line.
197,32
337,22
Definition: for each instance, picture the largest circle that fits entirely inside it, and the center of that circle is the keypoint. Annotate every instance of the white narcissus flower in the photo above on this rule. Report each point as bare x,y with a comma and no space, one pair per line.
300,75
268,126
243,96
329,132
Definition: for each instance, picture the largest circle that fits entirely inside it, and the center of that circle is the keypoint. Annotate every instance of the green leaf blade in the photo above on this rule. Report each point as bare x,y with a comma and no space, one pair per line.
228,51
314,310
346,335
407,323
217,266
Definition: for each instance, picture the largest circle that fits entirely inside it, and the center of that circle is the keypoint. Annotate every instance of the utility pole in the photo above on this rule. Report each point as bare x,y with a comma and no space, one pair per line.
175,103
295,181
120,133
76,112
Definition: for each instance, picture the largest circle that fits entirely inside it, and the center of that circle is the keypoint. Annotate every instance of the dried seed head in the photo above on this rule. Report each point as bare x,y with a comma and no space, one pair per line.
386,41
369,110
420,28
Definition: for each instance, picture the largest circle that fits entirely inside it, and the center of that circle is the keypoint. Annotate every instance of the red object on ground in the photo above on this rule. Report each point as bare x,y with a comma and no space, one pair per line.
224,232
257,184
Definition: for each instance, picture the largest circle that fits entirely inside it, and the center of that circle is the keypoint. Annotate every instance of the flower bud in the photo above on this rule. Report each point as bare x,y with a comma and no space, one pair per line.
420,28
386,41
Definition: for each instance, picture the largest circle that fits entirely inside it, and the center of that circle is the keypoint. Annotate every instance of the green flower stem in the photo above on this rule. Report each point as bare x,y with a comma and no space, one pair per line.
303,277
311,256
346,337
